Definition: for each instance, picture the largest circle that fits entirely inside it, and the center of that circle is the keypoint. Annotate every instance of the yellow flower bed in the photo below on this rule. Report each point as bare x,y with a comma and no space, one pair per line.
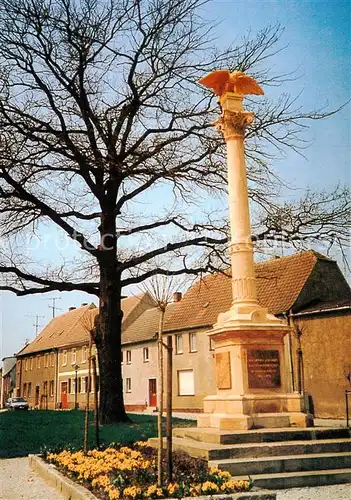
130,474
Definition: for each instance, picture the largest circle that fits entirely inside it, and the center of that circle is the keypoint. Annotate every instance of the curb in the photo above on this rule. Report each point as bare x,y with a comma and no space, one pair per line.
68,488
73,491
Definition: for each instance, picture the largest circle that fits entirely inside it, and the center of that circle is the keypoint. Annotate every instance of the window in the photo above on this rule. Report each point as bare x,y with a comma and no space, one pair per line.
192,342
84,354
128,385
69,386
29,390
179,344
38,361
74,356
64,359
51,388
52,356
212,344
24,390
26,365
80,384
31,363
45,388
46,361
129,357
146,354
186,383
84,384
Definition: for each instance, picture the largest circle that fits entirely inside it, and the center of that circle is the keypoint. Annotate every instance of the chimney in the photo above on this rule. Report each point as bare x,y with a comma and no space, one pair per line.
71,308
84,304
177,296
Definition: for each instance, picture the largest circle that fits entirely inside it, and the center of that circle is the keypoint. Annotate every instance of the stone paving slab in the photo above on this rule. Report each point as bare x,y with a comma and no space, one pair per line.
332,492
18,481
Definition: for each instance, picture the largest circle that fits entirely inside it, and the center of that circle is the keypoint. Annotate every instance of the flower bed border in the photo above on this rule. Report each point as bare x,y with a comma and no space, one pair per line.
73,491
68,488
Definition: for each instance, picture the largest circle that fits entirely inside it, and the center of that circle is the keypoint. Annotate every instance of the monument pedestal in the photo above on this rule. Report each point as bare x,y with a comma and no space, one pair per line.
251,376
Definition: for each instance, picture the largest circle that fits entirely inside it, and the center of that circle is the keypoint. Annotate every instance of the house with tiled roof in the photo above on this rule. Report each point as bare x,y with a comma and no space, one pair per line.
296,287
140,361
56,361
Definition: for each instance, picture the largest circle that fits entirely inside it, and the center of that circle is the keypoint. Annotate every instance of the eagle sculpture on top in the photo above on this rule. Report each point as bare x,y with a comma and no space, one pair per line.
223,81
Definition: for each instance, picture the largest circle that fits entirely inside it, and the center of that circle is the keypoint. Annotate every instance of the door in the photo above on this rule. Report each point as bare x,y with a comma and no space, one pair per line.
64,389
37,391
152,392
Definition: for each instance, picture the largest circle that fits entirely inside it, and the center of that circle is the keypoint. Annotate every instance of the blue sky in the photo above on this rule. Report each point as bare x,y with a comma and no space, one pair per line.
317,44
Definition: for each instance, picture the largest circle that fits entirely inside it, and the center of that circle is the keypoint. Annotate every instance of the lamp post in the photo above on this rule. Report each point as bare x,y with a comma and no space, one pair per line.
76,368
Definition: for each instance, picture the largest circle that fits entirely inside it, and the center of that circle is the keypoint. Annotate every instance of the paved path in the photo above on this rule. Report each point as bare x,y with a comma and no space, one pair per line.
17,481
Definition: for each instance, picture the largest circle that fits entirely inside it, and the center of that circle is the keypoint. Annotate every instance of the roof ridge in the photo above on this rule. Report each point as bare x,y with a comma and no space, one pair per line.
292,256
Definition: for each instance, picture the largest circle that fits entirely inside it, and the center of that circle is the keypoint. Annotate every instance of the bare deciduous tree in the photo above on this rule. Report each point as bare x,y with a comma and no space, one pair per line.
100,109
161,289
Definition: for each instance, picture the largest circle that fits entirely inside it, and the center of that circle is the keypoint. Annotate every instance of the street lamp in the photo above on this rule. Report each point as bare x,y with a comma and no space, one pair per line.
76,368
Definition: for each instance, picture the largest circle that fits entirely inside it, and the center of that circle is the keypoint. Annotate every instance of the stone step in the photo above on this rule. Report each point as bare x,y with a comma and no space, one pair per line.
252,450
210,435
288,463
300,479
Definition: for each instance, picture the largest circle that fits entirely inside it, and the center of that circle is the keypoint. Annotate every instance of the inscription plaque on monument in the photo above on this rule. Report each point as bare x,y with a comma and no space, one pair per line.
223,375
263,368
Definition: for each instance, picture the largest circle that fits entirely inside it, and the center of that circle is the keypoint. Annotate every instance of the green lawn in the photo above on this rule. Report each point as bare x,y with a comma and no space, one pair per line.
22,433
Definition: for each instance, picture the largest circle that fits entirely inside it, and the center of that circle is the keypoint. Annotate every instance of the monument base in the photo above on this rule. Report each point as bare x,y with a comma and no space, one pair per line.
225,422
254,411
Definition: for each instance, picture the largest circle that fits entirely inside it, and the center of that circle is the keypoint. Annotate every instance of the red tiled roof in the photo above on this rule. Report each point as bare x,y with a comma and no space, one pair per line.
73,326
145,326
279,283
68,328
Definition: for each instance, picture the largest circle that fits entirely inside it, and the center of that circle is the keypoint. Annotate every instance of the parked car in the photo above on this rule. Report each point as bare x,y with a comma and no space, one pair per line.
17,404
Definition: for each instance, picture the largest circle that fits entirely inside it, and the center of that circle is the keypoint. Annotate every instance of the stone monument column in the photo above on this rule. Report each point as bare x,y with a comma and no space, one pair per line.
251,369
232,125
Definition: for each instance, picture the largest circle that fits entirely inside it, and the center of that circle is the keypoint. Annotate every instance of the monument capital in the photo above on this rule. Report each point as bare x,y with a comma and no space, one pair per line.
233,123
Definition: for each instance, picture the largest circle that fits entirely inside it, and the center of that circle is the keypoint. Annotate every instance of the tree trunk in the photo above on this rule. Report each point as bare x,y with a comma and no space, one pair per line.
109,326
